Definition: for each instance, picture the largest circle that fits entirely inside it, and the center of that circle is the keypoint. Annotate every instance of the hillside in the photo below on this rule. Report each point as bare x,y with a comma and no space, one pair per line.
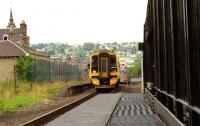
81,52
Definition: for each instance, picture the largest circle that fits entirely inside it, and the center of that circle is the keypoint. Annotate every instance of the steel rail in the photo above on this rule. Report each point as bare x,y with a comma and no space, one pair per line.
57,112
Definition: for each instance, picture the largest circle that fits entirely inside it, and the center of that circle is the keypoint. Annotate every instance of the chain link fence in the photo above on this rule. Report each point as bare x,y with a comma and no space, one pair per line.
51,71
41,71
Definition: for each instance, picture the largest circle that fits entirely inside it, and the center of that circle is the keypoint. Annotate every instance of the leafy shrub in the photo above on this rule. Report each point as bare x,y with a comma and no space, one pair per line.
135,71
25,68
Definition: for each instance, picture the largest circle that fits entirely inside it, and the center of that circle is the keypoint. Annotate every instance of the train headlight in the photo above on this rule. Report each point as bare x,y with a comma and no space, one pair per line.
94,71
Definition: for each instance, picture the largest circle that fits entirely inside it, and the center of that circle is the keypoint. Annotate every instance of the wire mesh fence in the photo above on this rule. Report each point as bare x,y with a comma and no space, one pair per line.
51,71
39,71
46,77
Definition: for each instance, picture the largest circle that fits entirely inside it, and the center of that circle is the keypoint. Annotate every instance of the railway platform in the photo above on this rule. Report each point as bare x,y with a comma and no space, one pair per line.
94,112
133,109
116,109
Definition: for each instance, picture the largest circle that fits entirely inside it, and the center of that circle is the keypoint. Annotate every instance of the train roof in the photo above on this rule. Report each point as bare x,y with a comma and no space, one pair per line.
103,51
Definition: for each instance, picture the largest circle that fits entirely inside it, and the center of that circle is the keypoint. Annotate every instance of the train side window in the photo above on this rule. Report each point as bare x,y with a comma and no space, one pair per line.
113,64
94,64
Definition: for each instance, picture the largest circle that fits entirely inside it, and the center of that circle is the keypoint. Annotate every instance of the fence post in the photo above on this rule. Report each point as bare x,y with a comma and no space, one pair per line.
31,84
15,82
31,73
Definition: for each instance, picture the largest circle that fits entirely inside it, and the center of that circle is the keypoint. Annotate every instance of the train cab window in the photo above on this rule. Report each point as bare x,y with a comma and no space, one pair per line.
113,64
94,64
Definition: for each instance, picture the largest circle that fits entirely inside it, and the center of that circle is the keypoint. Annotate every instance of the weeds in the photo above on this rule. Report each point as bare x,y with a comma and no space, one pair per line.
11,99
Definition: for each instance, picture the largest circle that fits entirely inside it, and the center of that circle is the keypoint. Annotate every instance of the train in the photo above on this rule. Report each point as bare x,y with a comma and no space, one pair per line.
104,69
124,78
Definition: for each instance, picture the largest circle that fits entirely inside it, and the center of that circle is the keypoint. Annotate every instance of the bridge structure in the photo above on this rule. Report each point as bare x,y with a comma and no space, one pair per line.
171,57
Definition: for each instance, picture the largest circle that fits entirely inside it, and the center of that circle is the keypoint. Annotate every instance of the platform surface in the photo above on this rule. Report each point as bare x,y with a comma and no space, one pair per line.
133,109
95,112
117,109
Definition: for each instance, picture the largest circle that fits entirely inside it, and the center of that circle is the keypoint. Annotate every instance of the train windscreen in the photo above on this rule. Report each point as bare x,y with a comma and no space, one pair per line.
94,64
113,64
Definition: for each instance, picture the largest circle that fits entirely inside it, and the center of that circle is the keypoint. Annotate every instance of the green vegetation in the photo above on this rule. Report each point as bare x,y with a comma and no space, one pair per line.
23,68
81,52
135,71
15,102
11,99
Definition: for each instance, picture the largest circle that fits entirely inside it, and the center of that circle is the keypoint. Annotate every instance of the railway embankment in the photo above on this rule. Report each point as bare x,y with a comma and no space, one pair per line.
23,104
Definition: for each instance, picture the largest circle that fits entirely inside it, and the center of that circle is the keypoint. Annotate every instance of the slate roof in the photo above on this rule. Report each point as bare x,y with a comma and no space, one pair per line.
33,51
11,49
6,31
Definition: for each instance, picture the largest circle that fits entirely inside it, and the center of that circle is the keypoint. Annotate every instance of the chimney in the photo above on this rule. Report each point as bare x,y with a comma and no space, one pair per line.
25,40
23,28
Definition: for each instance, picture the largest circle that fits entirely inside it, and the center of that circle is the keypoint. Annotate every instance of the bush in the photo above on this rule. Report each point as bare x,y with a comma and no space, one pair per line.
24,68
135,71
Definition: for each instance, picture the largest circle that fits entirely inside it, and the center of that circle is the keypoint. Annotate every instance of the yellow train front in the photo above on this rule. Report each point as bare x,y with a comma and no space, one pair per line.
104,69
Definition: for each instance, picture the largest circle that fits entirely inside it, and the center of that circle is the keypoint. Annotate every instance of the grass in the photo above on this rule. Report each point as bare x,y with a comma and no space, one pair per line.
11,99
16,102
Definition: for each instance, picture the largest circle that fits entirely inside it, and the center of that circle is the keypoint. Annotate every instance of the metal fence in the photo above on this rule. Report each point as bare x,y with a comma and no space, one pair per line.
51,71
172,56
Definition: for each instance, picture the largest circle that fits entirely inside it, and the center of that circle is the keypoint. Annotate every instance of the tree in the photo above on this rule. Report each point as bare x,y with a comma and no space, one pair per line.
24,68
89,46
135,71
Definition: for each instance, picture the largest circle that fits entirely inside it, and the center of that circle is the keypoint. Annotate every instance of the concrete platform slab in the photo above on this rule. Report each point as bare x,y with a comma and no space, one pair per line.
134,109
95,112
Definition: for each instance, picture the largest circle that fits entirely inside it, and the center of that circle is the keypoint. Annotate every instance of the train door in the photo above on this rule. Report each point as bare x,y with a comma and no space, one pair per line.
104,67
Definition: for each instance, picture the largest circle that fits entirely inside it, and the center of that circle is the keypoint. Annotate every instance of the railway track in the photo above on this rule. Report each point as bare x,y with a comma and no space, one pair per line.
57,112
44,119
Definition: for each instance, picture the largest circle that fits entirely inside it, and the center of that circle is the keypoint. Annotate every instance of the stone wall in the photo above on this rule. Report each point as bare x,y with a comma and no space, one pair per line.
7,69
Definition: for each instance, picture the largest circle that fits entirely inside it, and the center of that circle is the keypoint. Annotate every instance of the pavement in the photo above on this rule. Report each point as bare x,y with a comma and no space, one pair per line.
134,109
95,112
113,109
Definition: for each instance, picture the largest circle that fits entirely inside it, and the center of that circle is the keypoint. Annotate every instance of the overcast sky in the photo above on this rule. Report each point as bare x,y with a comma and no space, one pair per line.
78,21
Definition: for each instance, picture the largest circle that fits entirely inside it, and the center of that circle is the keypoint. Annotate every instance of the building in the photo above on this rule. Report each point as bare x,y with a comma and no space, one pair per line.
73,61
127,61
14,43
14,34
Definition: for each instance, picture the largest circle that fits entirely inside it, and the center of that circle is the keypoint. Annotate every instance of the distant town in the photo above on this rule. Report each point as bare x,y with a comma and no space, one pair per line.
127,51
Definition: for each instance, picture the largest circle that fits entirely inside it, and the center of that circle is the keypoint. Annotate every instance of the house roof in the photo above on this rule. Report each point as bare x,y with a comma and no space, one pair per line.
74,62
33,51
11,49
6,31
